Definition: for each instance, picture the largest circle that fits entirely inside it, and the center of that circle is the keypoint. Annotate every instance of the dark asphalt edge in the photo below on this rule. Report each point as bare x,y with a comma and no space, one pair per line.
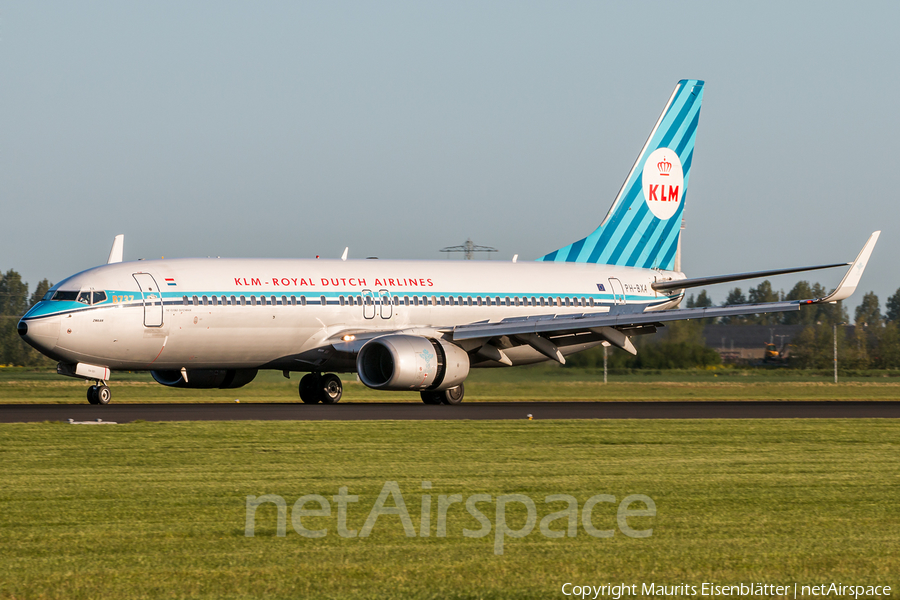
124,413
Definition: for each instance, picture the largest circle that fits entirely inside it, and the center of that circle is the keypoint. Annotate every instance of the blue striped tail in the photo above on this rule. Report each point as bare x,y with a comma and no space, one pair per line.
642,226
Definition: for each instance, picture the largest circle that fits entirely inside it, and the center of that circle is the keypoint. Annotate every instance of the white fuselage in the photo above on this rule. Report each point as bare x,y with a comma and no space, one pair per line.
286,313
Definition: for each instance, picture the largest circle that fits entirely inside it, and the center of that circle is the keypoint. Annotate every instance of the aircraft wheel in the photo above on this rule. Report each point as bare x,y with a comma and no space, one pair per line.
431,397
92,395
104,395
453,395
309,388
330,389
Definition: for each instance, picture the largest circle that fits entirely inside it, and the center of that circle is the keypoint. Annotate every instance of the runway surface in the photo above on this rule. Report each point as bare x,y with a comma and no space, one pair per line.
124,413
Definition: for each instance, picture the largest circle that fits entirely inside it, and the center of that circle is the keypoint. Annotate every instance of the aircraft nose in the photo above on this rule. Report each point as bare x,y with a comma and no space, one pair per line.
41,333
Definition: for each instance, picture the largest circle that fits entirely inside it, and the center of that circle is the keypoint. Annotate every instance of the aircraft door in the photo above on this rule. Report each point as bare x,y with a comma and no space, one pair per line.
153,306
618,290
387,309
368,302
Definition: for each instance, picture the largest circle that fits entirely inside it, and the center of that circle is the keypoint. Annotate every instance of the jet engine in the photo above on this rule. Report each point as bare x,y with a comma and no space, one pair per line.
411,362
206,378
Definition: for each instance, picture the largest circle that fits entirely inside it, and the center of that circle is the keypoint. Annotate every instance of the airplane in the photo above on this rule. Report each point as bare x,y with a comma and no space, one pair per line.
400,325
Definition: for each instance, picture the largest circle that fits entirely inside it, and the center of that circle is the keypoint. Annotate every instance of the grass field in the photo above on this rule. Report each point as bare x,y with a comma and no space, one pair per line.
157,510
545,382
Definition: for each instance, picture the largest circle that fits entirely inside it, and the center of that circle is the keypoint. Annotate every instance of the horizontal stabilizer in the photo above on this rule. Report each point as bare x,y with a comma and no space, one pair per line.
682,284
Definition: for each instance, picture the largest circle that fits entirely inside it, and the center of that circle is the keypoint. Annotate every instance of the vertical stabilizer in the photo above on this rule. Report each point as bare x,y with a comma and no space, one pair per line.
117,250
643,226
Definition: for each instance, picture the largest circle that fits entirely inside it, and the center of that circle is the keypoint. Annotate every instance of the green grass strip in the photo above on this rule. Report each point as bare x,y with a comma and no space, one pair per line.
157,510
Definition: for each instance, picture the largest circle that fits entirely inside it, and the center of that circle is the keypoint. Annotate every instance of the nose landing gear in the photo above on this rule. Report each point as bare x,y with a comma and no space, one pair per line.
99,394
316,387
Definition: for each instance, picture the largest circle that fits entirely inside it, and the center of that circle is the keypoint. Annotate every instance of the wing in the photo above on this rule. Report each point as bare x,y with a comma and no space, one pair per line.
621,322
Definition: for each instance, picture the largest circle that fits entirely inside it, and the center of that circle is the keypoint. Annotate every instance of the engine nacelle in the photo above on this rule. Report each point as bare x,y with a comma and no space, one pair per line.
206,378
411,362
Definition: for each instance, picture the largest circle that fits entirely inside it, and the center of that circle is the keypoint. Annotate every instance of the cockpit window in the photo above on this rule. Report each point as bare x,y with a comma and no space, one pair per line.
68,296
83,297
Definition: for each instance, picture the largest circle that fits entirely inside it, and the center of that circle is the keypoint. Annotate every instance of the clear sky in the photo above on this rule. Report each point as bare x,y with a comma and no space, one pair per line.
295,129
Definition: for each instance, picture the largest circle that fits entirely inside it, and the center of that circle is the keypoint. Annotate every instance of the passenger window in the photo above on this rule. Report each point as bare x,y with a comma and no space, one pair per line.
322,300
302,300
215,301
195,301
205,301
252,300
184,300
274,301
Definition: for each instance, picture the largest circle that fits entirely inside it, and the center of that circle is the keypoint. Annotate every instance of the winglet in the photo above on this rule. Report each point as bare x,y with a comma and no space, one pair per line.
117,250
851,279
346,251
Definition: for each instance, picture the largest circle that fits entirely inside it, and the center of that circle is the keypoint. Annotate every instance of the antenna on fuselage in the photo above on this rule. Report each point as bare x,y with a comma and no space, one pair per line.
117,250
344,255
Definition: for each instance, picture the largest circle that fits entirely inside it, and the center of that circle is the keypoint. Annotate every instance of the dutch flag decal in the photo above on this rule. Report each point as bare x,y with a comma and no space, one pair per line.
170,281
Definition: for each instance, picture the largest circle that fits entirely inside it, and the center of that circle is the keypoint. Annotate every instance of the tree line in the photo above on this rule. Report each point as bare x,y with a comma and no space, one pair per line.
15,302
874,342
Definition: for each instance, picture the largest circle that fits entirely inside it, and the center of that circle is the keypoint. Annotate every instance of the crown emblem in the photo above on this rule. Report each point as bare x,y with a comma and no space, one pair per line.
664,167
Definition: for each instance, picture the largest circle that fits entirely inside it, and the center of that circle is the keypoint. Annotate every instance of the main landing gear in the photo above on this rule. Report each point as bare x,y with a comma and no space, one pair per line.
99,394
316,387
451,396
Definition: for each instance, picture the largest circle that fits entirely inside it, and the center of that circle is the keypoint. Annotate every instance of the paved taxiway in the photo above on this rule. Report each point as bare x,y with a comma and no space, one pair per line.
123,413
